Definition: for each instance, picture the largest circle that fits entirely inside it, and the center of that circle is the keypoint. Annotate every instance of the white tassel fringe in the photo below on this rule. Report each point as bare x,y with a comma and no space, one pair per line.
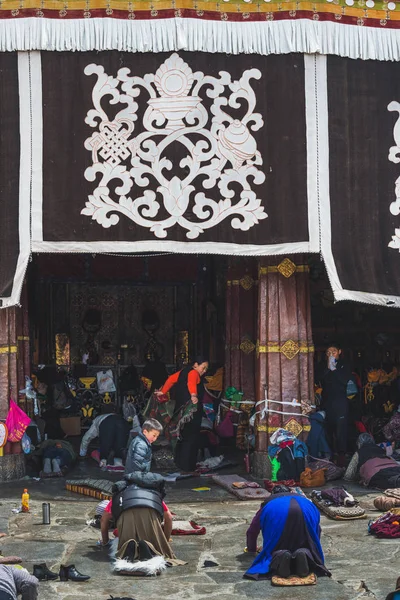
164,35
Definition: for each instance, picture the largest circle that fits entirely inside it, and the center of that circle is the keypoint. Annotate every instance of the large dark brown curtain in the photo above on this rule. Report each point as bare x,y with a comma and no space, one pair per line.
362,178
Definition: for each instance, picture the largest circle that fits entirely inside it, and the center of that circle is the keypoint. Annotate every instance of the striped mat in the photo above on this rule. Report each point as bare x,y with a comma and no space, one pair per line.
95,488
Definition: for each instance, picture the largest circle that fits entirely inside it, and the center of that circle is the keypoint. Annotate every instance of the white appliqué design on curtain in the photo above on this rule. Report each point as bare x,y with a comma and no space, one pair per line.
394,156
218,151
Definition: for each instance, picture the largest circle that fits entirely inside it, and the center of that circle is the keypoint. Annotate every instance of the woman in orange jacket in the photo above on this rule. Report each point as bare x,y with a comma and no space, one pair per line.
188,400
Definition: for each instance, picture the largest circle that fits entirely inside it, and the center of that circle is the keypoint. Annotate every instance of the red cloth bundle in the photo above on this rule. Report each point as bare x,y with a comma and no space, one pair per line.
387,526
162,398
269,485
187,528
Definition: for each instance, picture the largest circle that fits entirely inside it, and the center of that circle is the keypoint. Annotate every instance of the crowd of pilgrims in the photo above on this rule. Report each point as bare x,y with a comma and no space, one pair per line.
142,522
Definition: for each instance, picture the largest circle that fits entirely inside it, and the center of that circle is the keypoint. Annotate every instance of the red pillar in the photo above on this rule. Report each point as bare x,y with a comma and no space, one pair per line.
14,352
284,364
241,335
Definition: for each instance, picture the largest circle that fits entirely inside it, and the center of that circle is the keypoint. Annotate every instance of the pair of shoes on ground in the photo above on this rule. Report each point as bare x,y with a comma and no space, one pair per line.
120,598
300,565
66,573
138,551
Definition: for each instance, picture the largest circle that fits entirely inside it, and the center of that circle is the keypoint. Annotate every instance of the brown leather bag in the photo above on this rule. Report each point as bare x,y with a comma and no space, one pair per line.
310,478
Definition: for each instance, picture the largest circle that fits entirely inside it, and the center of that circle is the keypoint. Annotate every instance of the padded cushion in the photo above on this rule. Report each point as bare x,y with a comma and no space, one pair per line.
340,513
311,579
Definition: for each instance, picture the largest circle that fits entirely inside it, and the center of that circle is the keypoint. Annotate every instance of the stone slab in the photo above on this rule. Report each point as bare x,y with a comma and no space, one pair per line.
362,566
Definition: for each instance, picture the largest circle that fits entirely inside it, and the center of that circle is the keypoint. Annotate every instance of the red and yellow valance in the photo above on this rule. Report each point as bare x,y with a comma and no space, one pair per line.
352,28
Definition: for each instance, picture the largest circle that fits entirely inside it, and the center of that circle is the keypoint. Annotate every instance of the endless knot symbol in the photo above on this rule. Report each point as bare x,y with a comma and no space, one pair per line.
112,142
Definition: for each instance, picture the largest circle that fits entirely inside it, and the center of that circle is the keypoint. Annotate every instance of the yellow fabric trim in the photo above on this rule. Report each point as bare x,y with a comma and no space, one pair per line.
274,269
8,349
304,348
233,6
266,429
262,428
23,338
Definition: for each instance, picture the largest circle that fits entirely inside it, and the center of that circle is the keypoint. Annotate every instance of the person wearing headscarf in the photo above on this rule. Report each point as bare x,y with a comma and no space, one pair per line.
290,526
371,466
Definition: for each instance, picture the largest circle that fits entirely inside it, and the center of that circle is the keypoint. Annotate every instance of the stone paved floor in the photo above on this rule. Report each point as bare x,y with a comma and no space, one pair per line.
362,567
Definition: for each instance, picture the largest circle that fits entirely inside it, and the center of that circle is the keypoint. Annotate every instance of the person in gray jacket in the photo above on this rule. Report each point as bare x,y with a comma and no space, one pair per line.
113,433
139,452
14,581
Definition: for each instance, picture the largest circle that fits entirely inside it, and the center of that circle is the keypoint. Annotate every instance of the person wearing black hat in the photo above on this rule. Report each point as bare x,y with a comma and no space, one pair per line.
334,375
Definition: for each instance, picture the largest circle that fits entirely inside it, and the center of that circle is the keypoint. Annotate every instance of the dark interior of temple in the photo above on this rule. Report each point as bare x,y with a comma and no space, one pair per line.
183,298
121,310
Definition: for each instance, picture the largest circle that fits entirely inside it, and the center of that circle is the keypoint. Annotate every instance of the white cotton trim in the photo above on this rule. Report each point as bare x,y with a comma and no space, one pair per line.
313,167
367,298
164,35
148,567
157,245
37,143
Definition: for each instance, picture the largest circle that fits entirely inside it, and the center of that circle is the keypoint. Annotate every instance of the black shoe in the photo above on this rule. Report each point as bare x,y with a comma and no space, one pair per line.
284,565
301,564
69,573
42,573
131,551
145,552
120,598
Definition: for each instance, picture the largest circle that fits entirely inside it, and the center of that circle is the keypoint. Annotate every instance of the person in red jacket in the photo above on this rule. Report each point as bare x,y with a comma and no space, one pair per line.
188,394
107,517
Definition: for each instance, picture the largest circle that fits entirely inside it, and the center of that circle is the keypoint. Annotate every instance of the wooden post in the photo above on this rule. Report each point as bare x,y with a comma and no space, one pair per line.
284,363
240,339
14,352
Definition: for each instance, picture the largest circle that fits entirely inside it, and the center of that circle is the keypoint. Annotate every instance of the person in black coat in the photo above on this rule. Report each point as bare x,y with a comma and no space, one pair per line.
334,375
139,453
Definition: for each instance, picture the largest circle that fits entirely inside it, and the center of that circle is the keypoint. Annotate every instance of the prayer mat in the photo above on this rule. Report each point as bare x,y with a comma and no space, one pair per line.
385,503
227,481
95,488
393,493
187,528
293,580
10,560
340,513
